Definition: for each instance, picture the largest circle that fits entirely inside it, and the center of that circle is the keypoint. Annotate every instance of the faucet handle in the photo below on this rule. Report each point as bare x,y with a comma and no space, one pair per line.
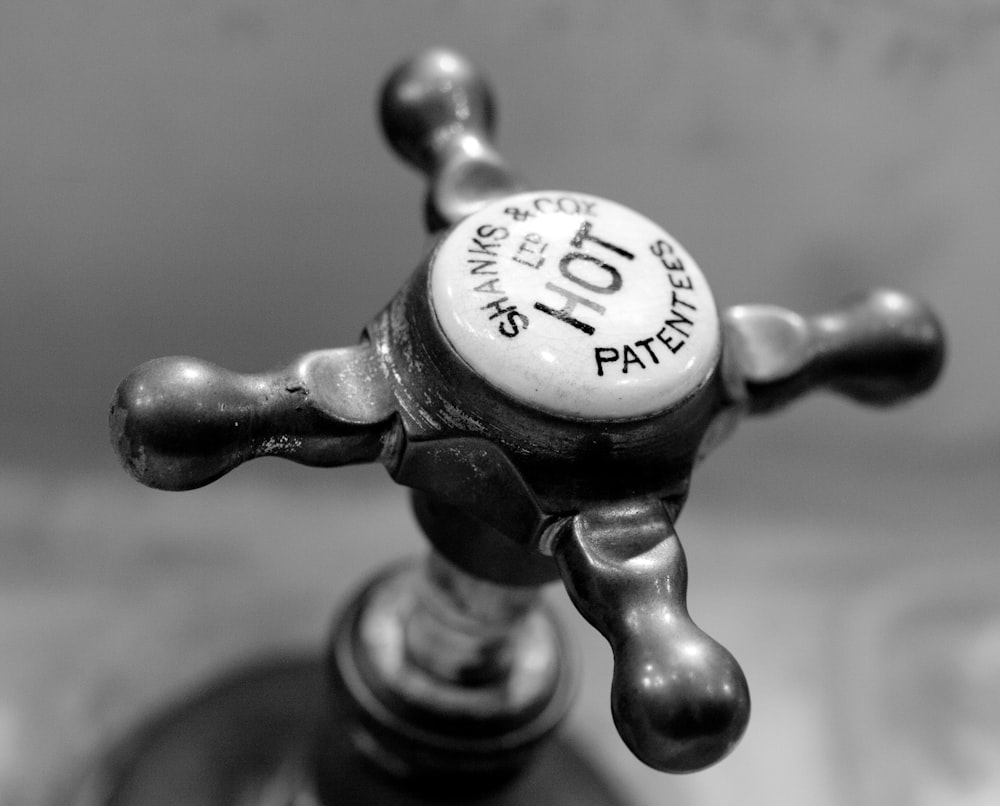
679,699
438,114
180,423
880,348
552,372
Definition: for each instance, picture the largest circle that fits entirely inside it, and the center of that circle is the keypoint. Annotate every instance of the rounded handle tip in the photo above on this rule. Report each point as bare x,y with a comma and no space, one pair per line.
681,705
900,346
430,99
176,423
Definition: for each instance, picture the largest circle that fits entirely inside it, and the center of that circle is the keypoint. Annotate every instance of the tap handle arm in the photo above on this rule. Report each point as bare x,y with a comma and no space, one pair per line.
438,114
879,348
679,699
180,423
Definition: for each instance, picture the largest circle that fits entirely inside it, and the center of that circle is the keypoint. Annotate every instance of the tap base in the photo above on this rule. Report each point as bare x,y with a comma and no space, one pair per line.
250,739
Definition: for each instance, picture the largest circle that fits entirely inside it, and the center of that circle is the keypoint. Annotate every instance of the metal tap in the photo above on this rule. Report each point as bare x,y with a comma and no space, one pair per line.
545,383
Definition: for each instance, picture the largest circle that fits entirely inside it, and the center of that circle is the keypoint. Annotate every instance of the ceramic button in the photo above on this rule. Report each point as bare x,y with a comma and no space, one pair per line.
576,305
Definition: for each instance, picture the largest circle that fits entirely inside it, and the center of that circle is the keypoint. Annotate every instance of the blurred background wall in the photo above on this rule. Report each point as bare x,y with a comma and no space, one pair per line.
206,177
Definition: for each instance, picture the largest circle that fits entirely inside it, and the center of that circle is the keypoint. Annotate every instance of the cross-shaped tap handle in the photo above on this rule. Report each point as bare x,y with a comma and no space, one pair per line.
554,368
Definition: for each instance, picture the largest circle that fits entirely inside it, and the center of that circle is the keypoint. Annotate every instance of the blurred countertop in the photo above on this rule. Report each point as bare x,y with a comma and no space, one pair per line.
866,617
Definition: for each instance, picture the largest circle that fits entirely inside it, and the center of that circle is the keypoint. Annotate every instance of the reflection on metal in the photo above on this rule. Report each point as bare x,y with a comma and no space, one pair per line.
449,675
441,676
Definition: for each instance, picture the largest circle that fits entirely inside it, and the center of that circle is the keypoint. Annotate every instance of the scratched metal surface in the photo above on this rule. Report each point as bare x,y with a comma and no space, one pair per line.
206,178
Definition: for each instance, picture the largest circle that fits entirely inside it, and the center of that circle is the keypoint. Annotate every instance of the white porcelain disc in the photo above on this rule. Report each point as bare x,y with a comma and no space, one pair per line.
575,305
